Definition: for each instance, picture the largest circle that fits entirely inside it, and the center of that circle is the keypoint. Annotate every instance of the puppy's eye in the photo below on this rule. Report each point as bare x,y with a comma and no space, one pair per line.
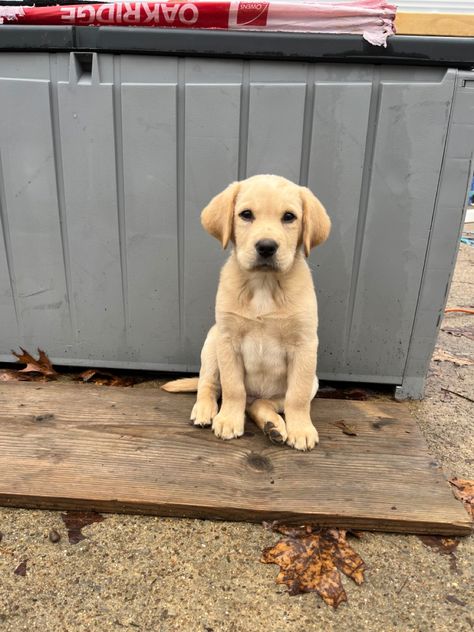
246,215
288,217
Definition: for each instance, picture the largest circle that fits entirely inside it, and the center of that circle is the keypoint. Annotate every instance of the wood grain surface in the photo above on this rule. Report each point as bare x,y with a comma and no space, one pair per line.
75,446
441,24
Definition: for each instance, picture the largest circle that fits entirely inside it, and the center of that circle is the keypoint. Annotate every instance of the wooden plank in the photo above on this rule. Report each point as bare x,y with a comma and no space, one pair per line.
446,24
133,450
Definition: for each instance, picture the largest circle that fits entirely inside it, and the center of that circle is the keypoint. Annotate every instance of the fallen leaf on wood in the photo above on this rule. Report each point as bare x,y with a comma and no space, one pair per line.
440,355
328,392
104,378
41,365
467,332
77,520
21,569
464,490
347,430
8,375
310,561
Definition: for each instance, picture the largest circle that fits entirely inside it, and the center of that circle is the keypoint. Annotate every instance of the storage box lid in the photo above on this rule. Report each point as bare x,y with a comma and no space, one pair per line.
453,52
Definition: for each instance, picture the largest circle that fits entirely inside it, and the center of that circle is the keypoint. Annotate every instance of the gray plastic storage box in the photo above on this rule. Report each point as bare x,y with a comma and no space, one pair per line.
112,140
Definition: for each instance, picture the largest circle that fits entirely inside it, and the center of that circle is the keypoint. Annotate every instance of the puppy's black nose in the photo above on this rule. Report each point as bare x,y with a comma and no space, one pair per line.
266,247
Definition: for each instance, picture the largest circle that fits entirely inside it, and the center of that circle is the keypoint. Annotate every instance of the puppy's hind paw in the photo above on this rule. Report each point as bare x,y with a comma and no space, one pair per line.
276,433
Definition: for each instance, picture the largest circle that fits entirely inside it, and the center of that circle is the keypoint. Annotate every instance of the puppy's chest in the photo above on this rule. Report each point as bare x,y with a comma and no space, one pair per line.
263,354
262,302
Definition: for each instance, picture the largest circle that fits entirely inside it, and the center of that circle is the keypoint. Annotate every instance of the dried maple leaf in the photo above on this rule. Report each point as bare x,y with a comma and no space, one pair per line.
41,365
104,378
76,520
464,490
347,430
310,561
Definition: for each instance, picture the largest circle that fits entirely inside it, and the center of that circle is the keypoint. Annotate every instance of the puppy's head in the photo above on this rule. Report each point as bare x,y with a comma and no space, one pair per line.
267,218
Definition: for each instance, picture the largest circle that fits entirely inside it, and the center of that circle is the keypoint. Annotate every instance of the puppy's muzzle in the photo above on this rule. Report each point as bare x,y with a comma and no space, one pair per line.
266,248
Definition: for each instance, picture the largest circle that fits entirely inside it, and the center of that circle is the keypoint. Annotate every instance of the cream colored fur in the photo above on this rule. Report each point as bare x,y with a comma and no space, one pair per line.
261,353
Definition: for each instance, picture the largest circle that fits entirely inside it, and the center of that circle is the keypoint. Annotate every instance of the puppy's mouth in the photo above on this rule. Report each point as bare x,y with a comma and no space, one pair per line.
265,264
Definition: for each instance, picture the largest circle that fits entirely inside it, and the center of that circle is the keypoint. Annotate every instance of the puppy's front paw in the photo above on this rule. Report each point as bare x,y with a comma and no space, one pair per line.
302,436
204,411
228,427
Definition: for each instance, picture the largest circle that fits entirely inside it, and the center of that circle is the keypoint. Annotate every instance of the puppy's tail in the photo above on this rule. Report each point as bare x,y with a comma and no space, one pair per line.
184,385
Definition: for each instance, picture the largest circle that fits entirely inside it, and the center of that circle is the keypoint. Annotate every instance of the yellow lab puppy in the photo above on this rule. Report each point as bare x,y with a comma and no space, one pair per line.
261,353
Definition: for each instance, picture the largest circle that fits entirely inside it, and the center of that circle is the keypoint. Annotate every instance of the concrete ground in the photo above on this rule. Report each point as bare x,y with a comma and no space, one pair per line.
153,574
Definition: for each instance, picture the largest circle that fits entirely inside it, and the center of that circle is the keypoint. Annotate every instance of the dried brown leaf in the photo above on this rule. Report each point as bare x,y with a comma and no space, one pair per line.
104,378
311,560
442,545
441,355
76,520
463,489
21,569
347,430
7,375
328,392
42,365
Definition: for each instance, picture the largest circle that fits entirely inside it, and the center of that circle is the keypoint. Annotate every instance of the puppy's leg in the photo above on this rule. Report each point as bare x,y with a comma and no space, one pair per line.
302,387
229,422
264,413
205,408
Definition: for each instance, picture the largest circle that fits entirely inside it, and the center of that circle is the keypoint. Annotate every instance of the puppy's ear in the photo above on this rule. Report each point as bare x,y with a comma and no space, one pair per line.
218,216
316,222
